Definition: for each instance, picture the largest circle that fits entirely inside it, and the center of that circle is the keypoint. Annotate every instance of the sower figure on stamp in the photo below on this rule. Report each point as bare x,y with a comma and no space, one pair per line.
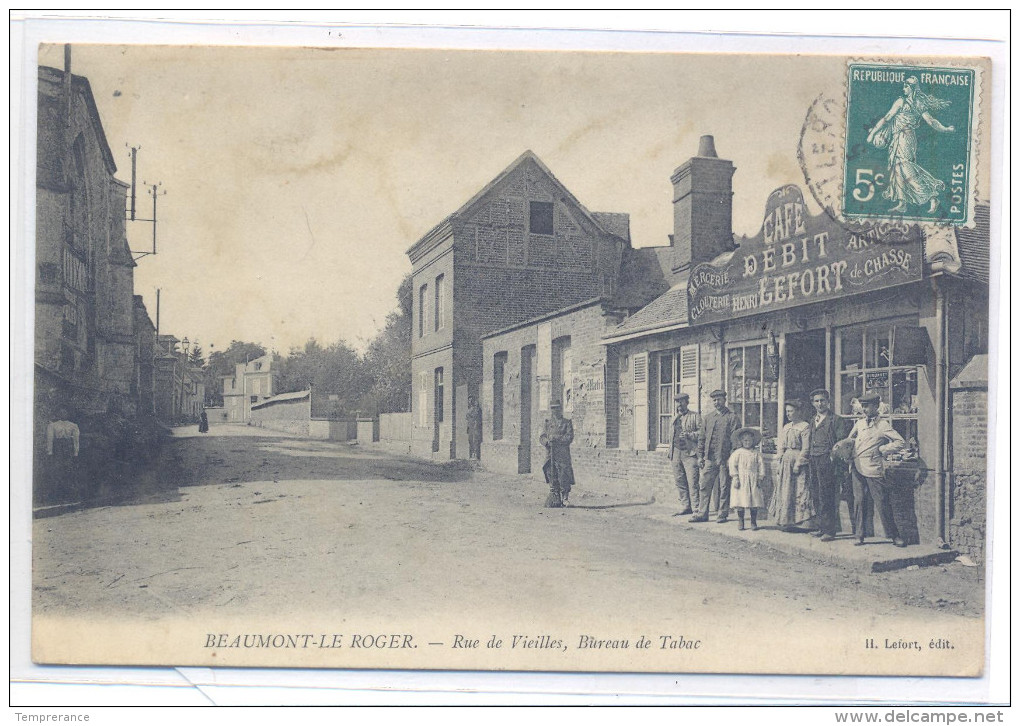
873,438
474,429
557,435
824,433
715,443
908,181
683,452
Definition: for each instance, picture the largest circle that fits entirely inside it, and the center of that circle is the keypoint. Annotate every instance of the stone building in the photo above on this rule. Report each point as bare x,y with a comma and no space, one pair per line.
85,345
145,351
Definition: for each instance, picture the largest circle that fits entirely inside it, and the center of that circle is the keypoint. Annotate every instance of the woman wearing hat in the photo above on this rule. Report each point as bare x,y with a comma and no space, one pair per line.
793,505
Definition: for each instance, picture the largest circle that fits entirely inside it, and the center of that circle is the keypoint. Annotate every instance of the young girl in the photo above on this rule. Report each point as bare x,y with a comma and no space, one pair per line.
747,469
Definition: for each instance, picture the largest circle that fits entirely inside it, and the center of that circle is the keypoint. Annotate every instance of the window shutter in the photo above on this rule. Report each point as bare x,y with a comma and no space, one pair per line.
689,375
640,368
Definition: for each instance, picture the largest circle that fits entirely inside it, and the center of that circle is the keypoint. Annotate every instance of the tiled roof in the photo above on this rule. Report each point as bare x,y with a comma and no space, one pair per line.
616,223
668,309
973,244
644,275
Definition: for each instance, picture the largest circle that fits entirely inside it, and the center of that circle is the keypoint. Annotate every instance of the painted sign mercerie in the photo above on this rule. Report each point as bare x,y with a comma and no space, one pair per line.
797,259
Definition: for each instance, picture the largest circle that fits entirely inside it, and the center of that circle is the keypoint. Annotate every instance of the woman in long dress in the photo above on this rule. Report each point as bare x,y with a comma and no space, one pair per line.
908,181
792,506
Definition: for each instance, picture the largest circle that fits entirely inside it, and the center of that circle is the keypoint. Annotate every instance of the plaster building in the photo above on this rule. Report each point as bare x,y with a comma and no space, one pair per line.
251,384
805,303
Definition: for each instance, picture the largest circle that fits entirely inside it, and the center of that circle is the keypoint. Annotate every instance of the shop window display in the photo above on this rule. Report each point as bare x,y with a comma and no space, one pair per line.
883,359
752,389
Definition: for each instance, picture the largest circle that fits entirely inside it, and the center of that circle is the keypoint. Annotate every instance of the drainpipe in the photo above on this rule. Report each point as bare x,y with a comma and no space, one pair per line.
942,413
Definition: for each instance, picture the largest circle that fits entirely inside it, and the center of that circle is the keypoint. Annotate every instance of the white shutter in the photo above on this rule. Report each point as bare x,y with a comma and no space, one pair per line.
689,375
640,368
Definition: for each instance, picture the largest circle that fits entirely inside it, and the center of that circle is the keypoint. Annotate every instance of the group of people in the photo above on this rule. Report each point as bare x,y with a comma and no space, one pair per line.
714,453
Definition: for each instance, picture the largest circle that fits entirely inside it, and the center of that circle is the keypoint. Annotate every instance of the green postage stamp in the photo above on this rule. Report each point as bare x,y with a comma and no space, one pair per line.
909,143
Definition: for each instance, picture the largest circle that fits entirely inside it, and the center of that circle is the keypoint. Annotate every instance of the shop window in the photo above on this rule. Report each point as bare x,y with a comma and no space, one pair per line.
752,387
498,373
541,218
887,360
678,373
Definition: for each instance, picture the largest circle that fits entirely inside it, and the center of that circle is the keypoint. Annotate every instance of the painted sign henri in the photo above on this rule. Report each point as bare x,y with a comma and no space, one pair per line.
796,259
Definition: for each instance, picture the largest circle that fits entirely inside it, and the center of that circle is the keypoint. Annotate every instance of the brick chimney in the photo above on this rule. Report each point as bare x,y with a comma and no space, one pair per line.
702,207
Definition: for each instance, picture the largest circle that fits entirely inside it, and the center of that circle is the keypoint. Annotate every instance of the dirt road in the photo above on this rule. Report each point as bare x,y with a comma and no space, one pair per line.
263,525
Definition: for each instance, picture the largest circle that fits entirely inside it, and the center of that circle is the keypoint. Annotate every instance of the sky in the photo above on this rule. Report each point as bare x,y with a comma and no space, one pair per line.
295,179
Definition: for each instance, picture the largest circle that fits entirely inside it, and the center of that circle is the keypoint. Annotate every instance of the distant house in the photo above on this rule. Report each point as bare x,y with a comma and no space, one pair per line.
251,383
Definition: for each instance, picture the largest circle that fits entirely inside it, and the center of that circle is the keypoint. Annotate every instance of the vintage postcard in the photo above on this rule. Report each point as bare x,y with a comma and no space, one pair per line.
499,360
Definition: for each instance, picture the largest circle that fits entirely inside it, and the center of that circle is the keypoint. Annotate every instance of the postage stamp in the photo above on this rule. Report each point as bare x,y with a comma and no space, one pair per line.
909,143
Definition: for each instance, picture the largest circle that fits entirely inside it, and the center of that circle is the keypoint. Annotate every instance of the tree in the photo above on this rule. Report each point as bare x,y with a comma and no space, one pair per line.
336,374
389,357
196,356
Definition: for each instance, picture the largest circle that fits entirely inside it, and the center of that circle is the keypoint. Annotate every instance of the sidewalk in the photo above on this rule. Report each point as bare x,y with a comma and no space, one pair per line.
877,555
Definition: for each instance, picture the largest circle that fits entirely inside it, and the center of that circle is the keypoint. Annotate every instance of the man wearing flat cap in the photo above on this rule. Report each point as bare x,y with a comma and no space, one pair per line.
557,435
873,438
715,442
824,433
683,452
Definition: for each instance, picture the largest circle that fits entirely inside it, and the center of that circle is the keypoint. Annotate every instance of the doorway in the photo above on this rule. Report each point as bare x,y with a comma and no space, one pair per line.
524,449
437,409
805,365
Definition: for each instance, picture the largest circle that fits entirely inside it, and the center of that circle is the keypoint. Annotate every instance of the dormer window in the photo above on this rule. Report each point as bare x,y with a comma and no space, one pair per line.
541,217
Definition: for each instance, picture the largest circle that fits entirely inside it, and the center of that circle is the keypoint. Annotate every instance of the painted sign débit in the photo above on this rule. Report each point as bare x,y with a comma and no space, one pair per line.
797,259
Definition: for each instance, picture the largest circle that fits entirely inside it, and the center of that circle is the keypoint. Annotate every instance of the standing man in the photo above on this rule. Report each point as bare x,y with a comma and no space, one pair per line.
683,452
714,446
821,471
474,429
557,436
873,438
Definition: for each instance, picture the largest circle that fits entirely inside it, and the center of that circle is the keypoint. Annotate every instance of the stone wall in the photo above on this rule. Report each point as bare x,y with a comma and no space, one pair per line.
968,485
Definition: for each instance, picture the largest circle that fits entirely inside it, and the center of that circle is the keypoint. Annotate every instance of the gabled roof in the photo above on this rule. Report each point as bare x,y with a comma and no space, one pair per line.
611,223
81,85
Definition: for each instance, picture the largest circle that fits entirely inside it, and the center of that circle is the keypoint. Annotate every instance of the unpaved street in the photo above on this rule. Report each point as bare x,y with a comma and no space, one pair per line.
263,525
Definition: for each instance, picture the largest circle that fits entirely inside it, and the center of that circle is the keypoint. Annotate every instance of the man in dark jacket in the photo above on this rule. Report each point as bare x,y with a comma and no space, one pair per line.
557,435
714,446
824,433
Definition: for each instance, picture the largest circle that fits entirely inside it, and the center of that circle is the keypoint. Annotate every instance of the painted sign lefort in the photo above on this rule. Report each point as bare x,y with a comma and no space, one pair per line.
797,259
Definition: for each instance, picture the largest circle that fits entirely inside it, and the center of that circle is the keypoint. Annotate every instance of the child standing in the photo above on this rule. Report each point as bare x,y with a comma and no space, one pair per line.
747,469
